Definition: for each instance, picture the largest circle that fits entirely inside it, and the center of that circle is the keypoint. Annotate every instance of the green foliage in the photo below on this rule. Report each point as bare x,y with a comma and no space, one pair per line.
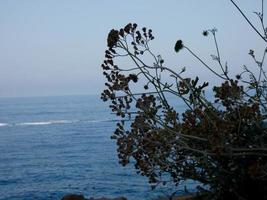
221,144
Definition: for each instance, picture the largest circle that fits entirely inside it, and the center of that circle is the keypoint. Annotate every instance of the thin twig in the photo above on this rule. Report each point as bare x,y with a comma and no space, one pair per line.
248,21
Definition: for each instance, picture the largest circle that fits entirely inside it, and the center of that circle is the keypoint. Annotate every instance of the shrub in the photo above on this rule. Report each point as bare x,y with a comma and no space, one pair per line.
220,143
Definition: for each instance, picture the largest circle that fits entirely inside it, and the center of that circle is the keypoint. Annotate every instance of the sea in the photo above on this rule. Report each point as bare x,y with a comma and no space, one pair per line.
53,146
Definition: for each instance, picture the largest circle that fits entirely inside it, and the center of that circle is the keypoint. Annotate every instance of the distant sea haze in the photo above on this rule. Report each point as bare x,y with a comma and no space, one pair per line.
51,146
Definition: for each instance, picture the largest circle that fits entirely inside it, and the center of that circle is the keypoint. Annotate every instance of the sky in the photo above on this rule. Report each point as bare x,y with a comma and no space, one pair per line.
56,47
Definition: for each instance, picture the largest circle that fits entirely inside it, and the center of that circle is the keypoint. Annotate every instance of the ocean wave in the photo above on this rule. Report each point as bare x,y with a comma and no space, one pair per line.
51,122
3,124
46,122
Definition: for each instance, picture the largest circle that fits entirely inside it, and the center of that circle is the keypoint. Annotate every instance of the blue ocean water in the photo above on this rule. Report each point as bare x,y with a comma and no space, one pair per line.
51,146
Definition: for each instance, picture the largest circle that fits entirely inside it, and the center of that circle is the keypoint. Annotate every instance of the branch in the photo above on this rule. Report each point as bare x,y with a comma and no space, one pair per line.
248,21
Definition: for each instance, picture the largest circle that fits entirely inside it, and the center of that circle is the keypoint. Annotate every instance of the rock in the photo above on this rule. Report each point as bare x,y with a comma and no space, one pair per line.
185,197
103,198
73,197
81,197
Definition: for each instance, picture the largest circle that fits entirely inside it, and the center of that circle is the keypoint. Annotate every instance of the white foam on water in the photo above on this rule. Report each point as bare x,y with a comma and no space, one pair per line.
46,122
50,122
3,124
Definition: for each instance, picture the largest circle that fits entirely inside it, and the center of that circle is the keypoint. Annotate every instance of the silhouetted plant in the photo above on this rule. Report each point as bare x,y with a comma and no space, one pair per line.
220,143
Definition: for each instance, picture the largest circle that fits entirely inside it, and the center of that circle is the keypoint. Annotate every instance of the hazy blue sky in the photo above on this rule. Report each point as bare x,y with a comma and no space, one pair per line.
55,47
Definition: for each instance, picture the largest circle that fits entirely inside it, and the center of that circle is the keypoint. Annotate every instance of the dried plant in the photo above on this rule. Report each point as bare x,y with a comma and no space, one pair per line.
220,143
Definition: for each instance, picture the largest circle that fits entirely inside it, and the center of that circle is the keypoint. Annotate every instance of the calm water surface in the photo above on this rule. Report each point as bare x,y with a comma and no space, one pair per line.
50,146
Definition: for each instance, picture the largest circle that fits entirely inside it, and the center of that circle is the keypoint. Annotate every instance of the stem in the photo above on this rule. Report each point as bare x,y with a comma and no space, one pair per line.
204,63
219,56
248,21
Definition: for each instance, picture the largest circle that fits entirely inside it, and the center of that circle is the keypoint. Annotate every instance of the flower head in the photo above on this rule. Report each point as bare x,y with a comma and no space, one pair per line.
178,46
